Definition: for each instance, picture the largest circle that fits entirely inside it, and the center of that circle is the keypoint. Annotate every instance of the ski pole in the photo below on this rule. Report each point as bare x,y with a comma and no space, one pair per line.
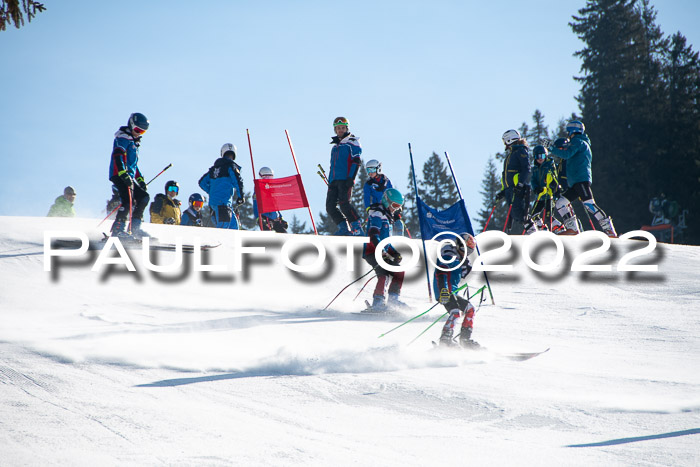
131,205
426,311
322,176
489,219
120,204
507,217
588,216
443,315
363,288
364,275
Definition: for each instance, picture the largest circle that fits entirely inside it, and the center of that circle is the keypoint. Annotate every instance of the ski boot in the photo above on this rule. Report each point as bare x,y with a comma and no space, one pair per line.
530,227
394,303
446,338
356,229
119,230
136,231
465,340
571,226
378,305
607,225
343,229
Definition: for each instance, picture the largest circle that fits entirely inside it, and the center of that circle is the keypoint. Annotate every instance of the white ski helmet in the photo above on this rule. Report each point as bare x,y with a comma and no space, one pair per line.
266,172
373,165
510,137
228,148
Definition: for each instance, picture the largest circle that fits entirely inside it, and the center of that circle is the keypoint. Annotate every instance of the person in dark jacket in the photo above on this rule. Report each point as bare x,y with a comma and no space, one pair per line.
345,163
224,185
63,206
193,214
545,186
578,156
124,173
515,180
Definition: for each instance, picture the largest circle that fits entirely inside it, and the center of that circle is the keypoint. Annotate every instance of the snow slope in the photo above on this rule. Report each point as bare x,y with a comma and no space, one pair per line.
111,367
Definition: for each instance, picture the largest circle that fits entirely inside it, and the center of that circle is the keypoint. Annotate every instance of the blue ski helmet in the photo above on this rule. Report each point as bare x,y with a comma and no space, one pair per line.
196,197
138,124
574,127
392,199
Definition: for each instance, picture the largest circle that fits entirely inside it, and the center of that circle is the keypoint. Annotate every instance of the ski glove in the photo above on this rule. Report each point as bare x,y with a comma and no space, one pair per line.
519,190
126,178
240,200
444,296
500,195
142,183
169,220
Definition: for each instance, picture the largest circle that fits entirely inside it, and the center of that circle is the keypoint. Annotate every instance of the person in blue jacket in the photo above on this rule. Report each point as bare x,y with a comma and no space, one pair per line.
515,180
224,185
345,163
453,266
578,156
125,175
373,191
193,214
381,216
269,220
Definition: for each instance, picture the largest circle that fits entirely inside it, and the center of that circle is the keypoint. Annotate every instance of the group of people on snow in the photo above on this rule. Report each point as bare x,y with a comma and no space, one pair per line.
555,185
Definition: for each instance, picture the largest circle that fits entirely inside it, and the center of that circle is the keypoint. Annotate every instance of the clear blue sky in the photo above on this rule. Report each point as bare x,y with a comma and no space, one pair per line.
443,75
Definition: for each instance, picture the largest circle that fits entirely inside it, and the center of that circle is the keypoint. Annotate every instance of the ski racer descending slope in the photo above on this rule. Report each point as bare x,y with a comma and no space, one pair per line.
381,217
446,281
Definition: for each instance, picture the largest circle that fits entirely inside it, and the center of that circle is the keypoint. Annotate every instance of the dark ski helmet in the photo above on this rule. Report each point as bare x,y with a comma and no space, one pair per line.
340,121
138,124
560,143
196,197
540,152
172,185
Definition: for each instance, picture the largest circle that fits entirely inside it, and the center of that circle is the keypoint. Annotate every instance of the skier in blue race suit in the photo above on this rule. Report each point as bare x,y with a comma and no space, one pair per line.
374,189
578,157
378,228
345,163
125,175
446,281
224,185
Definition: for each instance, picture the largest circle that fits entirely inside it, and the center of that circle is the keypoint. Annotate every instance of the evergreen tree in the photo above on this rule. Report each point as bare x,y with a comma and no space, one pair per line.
490,186
539,131
326,226
298,227
437,189
621,100
679,169
12,13
245,213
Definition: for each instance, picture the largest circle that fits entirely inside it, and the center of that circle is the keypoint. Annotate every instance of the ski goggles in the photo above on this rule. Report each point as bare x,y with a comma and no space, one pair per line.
371,170
394,206
173,189
198,204
138,130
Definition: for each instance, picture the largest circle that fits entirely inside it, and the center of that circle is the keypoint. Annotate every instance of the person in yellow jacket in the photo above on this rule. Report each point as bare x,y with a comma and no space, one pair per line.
165,208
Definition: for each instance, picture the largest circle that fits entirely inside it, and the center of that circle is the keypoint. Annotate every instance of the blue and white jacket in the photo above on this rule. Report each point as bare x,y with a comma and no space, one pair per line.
345,158
374,189
450,279
378,228
123,139
222,182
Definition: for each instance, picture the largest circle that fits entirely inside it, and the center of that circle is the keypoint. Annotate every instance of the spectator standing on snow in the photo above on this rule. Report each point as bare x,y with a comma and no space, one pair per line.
63,206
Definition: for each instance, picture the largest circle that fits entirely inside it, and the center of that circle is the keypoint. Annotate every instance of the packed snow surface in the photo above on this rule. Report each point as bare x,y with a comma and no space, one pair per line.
245,367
